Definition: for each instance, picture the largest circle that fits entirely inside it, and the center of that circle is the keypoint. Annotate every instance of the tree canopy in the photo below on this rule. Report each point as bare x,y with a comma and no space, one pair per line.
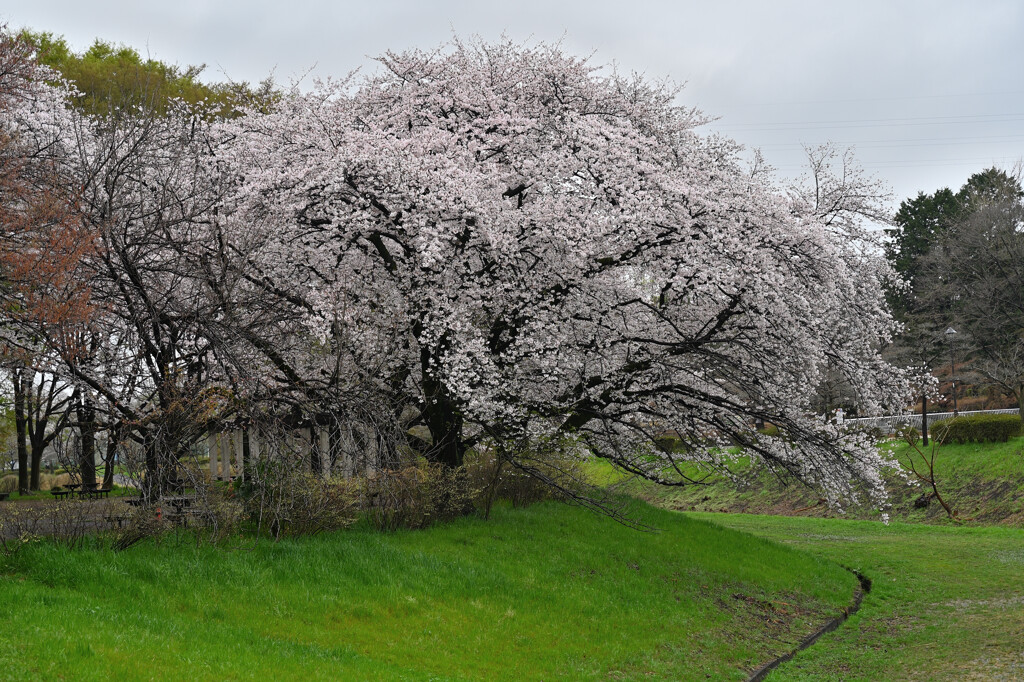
921,222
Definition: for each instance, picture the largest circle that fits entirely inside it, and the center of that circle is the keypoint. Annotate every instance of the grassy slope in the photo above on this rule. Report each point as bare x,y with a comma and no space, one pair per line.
549,591
947,603
983,483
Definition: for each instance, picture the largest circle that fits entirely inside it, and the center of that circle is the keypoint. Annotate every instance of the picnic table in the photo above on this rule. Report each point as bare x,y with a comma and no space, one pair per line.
96,493
61,494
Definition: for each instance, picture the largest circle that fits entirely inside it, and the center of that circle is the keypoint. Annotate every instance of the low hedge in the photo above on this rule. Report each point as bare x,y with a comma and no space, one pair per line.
978,428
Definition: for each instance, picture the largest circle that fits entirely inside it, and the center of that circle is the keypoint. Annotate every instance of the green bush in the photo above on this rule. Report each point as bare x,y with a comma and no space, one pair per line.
978,428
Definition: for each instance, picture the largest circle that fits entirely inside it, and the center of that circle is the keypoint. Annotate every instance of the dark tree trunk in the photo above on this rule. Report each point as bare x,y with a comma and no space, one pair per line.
442,418
38,443
440,414
37,415
445,424
113,441
246,455
87,427
21,428
42,402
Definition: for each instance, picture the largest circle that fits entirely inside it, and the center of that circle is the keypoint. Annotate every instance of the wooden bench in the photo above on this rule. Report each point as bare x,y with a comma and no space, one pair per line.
61,494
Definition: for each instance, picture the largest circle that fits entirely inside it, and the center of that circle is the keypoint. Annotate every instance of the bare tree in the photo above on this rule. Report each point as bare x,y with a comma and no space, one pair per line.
48,414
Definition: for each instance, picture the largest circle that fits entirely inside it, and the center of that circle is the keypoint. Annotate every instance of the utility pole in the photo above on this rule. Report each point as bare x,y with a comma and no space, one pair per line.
950,333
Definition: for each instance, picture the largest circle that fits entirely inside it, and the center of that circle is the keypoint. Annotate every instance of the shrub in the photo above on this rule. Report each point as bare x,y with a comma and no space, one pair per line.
9,483
315,505
139,523
497,479
66,522
51,481
285,499
978,428
416,495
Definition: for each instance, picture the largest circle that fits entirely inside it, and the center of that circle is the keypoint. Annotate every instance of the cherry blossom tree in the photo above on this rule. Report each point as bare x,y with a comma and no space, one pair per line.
508,242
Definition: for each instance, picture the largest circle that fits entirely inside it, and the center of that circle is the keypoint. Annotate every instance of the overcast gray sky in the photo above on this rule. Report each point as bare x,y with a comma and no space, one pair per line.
928,92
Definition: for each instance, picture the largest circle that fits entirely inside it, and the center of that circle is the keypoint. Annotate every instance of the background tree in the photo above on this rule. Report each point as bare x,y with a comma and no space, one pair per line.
930,299
47,415
41,239
919,224
109,78
977,274
137,129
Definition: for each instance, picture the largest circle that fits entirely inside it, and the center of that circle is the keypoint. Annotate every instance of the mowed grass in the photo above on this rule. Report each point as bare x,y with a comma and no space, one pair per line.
546,592
947,602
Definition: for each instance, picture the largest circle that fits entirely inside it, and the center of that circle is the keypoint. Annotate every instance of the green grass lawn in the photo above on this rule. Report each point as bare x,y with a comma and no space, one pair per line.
947,603
546,592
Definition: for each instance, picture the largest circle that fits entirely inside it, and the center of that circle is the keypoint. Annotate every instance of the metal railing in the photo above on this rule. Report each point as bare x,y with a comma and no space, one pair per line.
893,422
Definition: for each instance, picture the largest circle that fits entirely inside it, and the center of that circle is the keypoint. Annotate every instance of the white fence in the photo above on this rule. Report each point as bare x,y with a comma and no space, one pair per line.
893,422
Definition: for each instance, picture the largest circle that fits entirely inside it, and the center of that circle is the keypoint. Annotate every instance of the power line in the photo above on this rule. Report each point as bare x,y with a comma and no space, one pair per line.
942,139
926,163
896,144
962,95
879,122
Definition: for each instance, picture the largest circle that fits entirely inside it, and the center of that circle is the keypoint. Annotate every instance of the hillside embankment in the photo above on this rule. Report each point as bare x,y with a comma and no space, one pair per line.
981,482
